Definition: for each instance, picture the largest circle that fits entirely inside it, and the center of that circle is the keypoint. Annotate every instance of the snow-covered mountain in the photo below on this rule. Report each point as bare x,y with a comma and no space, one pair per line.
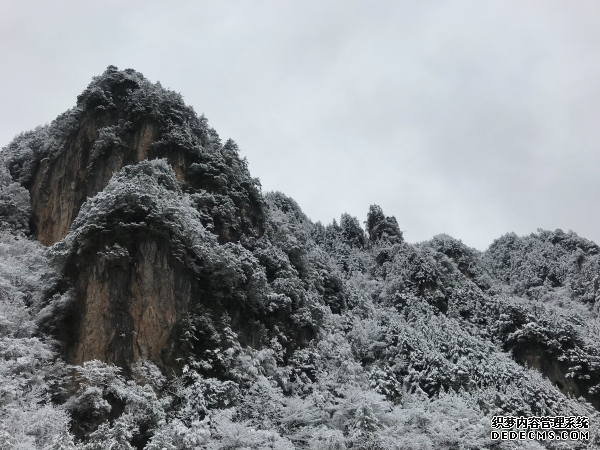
152,297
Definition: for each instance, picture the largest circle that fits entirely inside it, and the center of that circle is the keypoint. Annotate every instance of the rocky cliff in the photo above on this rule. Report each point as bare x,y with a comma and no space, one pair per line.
122,119
104,181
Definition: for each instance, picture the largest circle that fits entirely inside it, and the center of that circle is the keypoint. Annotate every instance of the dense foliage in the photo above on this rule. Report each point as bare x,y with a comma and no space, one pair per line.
350,338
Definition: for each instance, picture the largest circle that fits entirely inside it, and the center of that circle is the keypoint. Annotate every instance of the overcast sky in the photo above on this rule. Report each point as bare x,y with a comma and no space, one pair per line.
471,118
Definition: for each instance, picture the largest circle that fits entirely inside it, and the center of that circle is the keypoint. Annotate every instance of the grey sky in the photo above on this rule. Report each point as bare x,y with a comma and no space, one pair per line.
471,118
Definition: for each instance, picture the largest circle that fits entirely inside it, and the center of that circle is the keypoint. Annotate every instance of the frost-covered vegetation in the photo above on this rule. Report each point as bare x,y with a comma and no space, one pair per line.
32,376
351,338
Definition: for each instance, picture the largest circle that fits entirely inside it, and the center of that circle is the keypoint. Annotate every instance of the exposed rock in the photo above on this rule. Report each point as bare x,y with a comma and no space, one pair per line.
61,184
122,119
129,305
132,289
149,281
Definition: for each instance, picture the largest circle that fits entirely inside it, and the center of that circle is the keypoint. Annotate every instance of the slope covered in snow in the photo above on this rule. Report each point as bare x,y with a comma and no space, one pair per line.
152,297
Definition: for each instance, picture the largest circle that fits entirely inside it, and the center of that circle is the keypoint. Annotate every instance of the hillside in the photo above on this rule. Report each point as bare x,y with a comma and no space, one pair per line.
153,297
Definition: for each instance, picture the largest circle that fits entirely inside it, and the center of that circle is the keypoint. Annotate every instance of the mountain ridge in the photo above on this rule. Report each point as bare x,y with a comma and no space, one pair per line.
166,257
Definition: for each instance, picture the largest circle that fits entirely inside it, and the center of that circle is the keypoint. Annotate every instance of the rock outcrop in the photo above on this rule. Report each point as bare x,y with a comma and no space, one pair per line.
129,305
122,119
62,183
135,264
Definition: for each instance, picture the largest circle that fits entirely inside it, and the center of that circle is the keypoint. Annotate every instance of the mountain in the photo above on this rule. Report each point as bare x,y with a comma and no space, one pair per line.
153,297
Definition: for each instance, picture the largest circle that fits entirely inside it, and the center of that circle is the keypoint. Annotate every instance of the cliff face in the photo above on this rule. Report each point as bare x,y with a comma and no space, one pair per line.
136,265
122,119
139,262
129,304
61,184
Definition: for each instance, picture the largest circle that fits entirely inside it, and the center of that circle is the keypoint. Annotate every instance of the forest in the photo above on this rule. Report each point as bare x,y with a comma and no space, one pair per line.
153,297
